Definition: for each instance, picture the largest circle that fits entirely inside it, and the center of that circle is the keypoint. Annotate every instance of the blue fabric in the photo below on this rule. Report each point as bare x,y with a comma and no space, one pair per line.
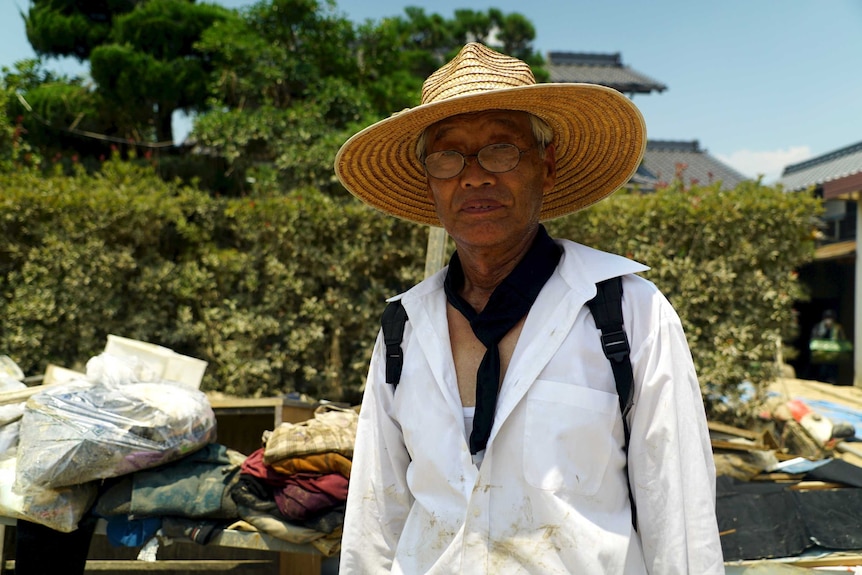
195,486
124,532
798,465
836,413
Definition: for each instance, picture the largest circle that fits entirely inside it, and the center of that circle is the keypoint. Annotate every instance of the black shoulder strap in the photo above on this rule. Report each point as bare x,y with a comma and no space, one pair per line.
607,310
393,320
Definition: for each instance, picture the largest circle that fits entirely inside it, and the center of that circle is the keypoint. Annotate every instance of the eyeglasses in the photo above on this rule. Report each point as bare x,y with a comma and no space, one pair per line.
495,158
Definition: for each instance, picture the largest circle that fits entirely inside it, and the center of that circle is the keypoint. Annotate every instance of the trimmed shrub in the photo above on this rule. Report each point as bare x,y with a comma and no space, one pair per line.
277,294
283,292
726,260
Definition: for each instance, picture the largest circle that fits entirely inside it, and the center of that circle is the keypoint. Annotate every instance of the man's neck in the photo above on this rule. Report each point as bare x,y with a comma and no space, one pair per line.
484,270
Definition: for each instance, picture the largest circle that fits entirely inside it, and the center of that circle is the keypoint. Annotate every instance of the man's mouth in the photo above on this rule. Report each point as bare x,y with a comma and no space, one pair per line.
480,206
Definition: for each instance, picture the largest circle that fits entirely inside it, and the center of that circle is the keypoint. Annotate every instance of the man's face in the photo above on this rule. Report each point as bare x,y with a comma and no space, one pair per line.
480,208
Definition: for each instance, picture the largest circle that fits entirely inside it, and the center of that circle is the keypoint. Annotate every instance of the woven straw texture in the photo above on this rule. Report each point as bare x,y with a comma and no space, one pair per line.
599,136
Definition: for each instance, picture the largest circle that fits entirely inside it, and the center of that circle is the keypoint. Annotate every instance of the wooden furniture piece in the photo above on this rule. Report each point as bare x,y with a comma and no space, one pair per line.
293,559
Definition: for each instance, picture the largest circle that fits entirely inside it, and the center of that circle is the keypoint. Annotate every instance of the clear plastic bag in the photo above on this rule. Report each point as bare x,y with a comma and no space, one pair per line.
80,431
60,509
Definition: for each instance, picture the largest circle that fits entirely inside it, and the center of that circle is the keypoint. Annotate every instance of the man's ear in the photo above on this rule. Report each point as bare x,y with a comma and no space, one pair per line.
429,191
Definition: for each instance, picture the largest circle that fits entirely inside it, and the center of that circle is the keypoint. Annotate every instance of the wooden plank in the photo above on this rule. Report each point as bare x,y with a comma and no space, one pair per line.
435,252
292,564
832,560
733,446
260,541
53,374
845,447
18,395
730,430
816,485
227,538
745,447
847,396
200,565
778,477
764,438
239,403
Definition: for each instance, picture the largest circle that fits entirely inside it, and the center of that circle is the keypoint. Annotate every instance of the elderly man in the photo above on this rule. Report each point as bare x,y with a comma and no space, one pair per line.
503,448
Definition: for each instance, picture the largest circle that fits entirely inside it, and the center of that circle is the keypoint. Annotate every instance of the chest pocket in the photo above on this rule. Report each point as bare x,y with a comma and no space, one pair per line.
568,436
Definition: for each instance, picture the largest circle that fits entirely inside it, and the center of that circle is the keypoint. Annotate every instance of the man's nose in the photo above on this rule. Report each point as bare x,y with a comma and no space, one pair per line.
474,174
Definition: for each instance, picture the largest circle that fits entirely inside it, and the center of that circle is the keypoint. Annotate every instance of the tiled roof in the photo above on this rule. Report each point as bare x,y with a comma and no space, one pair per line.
604,69
668,160
817,171
644,180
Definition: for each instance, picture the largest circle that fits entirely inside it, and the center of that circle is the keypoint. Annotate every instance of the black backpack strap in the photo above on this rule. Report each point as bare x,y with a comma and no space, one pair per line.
607,310
393,321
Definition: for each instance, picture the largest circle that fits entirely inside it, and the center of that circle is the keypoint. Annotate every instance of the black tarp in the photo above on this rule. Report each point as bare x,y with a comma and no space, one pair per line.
758,520
762,520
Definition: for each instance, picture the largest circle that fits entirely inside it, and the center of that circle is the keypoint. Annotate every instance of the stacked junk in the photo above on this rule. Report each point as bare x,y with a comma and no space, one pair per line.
789,495
133,442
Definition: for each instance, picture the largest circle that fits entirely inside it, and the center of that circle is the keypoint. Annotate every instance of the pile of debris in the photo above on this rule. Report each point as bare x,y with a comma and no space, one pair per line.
790,492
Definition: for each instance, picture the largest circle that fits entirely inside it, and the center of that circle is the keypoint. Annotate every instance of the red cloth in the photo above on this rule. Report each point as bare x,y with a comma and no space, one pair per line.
307,495
299,496
254,466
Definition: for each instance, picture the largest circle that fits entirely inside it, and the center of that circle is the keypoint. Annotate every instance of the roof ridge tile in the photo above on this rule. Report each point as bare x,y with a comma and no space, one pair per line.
822,159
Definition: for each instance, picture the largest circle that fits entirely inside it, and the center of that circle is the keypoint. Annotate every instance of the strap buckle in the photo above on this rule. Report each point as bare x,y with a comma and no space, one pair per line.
615,344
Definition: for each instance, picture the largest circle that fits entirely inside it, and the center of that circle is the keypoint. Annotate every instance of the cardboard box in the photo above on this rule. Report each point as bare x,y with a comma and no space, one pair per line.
164,362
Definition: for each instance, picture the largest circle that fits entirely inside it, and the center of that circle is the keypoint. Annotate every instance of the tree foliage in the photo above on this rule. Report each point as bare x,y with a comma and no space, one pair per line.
70,27
150,68
141,55
276,87
295,79
284,95
52,110
8,137
16,146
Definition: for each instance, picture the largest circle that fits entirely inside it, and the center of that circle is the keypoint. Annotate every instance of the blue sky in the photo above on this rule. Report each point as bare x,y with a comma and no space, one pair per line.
759,83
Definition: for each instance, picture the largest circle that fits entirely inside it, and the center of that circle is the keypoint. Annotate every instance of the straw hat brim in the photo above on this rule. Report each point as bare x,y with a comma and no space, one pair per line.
599,137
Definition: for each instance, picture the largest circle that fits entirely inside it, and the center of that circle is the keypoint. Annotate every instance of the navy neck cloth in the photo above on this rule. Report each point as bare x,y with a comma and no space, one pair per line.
510,301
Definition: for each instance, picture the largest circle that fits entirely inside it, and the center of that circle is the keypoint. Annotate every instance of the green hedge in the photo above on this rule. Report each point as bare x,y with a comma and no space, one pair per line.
283,293
277,294
726,260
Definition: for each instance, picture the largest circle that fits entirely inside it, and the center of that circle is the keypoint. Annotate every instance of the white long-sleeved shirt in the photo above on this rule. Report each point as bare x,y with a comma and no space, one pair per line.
551,494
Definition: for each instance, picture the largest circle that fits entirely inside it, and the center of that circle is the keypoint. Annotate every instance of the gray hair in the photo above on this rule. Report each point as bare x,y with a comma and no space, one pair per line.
542,132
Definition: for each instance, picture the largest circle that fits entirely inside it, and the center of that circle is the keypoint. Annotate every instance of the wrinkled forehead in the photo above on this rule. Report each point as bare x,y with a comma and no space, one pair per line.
506,120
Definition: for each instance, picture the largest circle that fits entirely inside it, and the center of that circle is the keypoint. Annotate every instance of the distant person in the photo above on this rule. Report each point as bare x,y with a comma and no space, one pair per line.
502,450
828,346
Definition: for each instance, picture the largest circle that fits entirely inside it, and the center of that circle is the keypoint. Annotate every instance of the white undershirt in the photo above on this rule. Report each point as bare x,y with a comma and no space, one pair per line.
469,414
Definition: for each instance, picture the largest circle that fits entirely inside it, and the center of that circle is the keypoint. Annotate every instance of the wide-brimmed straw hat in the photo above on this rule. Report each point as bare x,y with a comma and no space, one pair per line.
599,136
